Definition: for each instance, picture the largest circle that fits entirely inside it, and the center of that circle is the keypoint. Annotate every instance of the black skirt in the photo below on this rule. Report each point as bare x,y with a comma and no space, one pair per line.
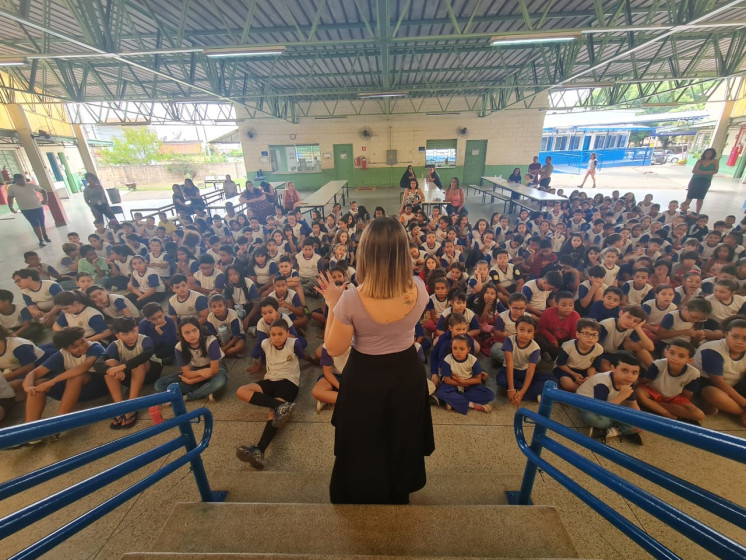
384,429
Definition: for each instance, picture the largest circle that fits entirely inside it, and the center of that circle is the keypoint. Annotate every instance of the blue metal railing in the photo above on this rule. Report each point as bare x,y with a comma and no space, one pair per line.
24,433
721,444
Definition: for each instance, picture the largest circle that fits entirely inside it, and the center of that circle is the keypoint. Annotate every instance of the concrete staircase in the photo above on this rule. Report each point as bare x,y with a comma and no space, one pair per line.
287,515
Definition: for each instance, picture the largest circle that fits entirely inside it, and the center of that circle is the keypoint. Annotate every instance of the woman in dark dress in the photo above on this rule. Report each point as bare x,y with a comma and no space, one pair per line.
191,194
383,427
179,201
258,203
407,177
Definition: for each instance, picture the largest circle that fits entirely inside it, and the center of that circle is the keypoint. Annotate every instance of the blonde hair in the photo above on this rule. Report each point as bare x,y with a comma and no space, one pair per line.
384,267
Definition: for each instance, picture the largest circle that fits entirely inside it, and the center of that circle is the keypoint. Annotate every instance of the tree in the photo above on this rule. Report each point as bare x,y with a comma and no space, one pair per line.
138,146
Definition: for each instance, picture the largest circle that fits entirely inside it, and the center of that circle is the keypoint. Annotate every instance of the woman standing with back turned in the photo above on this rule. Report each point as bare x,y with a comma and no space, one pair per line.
382,416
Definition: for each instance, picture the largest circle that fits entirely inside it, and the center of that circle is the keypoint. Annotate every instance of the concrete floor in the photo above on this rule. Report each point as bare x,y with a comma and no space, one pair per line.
470,449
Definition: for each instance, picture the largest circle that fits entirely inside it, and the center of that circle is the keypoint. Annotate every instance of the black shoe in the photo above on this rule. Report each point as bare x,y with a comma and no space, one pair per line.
599,434
633,438
252,455
47,239
283,412
435,401
42,244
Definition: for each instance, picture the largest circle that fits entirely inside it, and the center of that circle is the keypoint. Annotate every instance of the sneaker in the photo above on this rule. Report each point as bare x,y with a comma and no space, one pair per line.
320,406
283,412
633,438
47,240
42,244
252,455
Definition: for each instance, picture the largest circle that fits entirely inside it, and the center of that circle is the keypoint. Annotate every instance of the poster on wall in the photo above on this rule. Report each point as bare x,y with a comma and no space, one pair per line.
421,149
264,154
343,155
327,155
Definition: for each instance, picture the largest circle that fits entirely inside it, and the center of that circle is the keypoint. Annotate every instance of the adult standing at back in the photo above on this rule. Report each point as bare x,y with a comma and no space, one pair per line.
704,169
382,416
28,203
230,189
546,173
591,172
532,175
95,197
191,194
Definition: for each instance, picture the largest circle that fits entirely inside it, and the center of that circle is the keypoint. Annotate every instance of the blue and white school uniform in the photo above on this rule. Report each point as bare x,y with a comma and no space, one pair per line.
308,269
612,337
198,360
536,297
660,378
459,397
283,363
585,287
721,311
522,358
506,278
336,363
133,356
679,294
601,386
125,269
611,275
713,359
674,321
147,281
161,259
238,295
434,304
433,251
15,318
505,323
214,281
62,361
635,296
190,307
655,314
231,321
447,261
262,333
90,319
105,251
118,304
43,298
579,362
19,352
291,298
264,273
468,314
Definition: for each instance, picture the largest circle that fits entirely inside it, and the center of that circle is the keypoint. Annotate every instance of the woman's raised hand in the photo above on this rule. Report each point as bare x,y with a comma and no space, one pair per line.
328,289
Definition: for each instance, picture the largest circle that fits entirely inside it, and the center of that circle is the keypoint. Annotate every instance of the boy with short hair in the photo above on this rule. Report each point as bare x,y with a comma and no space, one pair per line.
636,290
686,323
505,276
277,391
186,302
46,272
537,291
557,324
289,301
577,358
457,324
17,319
225,325
308,264
457,299
463,379
609,306
131,360
627,331
76,313
669,383
591,290
65,375
616,386
208,280
161,330
269,310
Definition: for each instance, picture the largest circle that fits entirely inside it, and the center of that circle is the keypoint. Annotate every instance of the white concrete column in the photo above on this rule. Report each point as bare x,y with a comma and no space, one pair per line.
721,129
89,161
36,159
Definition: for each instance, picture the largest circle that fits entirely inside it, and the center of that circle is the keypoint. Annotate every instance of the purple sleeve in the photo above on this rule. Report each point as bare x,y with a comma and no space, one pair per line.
97,323
213,351
343,311
667,322
25,354
55,289
200,305
300,348
273,269
220,281
535,357
712,362
326,359
476,369
179,358
508,345
601,392
153,280
236,327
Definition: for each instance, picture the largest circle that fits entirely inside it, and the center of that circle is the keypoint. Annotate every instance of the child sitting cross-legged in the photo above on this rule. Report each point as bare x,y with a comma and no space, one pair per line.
224,324
557,324
505,326
608,306
270,312
327,385
67,375
129,360
457,324
200,361
463,379
278,389
161,330
577,358
519,376
617,387
668,385
625,332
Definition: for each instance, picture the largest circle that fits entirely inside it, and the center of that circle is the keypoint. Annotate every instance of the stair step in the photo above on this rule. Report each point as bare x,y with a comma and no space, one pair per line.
303,488
251,556
379,530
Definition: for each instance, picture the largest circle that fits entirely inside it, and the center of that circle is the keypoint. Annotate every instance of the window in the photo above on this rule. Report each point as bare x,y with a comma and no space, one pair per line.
441,153
546,144
575,142
296,159
8,159
598,142
560,143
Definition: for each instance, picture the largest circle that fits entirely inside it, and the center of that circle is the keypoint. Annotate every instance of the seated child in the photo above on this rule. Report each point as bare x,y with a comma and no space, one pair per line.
66,376
76,313
463,379
725,301
505,325
457,324
186,303
38,295
609,306
145,285
437,304
722,364
112,305
278,389
208,279
17,319
687,323
161,330
617,387
591,290
637,290
557,324
129,360
200,361
657,308
92,263
289,302
269,310
327,385
18,356
537,291
576,360
626,331
457,299
668,385
46,272
308,264
519,376
224,324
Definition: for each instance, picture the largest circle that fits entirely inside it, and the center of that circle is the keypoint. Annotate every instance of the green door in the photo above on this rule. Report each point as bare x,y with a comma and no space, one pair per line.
474,158
343,164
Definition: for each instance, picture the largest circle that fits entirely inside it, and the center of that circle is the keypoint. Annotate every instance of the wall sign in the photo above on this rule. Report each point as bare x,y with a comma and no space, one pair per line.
264,154
292,136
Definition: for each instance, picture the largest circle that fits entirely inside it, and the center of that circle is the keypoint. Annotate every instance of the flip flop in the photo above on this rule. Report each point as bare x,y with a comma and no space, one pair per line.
128,422
116,424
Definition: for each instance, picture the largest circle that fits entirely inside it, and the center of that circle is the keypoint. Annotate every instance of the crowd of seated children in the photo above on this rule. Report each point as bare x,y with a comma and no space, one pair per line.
198,287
